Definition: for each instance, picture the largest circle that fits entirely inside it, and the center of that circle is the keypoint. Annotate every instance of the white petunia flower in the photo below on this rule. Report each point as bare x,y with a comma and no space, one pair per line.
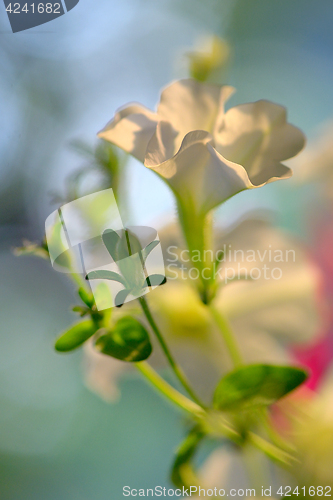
204,154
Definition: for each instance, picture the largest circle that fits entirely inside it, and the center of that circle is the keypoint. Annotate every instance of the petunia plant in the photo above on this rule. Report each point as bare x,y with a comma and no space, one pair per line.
206,155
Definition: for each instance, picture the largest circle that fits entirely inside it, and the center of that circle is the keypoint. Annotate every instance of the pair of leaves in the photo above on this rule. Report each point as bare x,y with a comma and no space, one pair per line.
256,385
132,276
128,340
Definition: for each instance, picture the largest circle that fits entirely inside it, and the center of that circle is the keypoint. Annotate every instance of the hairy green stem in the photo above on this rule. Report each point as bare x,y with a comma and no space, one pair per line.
176,369
167,390
270,450
198,234
228,336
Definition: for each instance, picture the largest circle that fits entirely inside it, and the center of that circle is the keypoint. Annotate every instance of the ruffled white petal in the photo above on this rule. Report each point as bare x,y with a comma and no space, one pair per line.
257,136
131,129
197,174
190,105
205,154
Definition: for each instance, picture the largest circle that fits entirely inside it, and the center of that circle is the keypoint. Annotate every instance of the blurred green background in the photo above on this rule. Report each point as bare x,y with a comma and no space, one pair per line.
63,81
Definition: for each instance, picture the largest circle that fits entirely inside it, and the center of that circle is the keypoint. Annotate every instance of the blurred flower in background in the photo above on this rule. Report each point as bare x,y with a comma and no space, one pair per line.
212,55
316,164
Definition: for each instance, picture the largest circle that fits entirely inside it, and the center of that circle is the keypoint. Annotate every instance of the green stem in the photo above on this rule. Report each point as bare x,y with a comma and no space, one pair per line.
176,369
77,278
192,408
198,234
228,336
270,450
167,390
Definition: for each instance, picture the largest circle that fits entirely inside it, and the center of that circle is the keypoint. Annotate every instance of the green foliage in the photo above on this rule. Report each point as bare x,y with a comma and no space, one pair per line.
256,385
86,297
75,336
128,341
82,311
182,473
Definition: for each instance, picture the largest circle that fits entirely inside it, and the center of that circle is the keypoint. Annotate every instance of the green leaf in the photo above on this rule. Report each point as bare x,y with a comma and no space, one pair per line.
155,280
121,297
86,297
106,275
127,341
148,249
83,311
182,473
256,385
75,336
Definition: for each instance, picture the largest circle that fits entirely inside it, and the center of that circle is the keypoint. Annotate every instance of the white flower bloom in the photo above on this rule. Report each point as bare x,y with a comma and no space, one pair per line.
204,154
282,295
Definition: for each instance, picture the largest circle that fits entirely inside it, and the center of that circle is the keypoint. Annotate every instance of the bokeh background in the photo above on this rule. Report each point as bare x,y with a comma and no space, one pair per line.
63,81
